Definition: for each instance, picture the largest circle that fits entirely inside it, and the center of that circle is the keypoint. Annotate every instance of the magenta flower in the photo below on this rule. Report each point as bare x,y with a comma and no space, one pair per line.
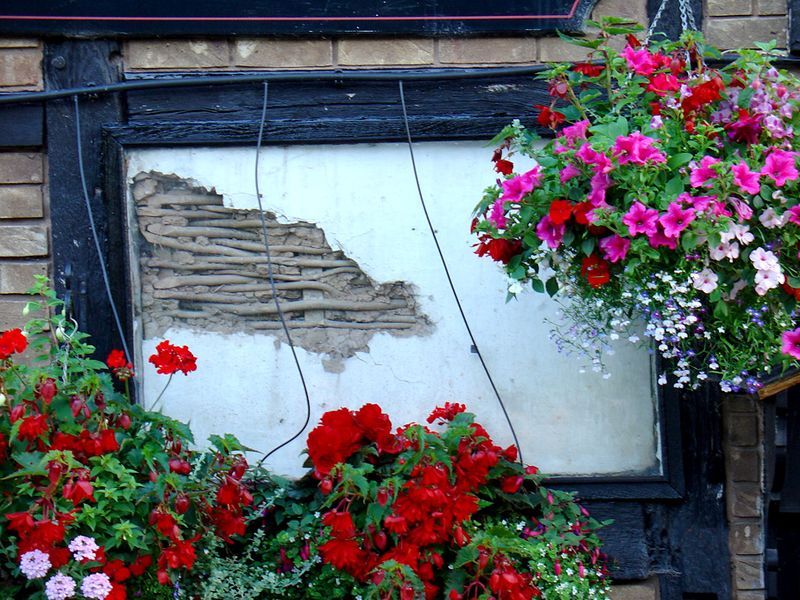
549,232
516,187
703,173
615,247
793,214
575,132
600,183
498,214
791,343
591,156
637,149
780,167
569,172
640,61
676,219
700,203
745,179
742,208
659,239
641,219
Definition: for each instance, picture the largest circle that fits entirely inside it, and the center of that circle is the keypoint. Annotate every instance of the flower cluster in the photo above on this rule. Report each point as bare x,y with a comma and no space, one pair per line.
402,505
669,194
169,359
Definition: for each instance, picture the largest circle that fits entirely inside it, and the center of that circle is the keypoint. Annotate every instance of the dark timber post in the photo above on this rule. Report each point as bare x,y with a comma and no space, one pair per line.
76,268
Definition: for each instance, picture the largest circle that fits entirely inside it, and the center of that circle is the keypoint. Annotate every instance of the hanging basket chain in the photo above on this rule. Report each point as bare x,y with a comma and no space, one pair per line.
688,22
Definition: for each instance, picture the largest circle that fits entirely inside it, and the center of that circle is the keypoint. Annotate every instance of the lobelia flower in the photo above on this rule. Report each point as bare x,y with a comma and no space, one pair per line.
637,149
549,232
516,187
780,167
701,174
35,564
705,280
640,219
615,247
791,343
676,219
60,587
745,179
96,586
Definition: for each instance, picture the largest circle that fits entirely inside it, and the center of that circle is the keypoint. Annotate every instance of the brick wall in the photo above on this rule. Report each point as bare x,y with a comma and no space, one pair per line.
24,233
738,23
743,445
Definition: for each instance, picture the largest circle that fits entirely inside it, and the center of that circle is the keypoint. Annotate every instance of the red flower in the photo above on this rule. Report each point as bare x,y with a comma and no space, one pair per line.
549,117
78,491
447,412
165,524
170,359
46,390
32,427
506,167
228,522
595,270
588,69
119,365
703,95
511,484
141,564
12,342
347,556
560,211
180,554
661,83
499,249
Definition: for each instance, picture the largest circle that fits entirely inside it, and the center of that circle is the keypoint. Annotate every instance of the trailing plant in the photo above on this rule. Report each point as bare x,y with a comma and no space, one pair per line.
666,202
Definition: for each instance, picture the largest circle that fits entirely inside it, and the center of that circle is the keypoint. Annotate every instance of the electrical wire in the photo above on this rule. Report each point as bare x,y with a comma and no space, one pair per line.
95,237
271,277
450,279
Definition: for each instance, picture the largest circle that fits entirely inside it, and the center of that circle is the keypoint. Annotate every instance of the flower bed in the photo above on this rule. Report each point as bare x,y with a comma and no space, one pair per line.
666,202
102,499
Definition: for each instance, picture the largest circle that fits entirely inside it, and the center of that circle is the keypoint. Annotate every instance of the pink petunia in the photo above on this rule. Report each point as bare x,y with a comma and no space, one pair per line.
641,61
780,167
569,172
676,219
659,239
742,208
516,187
600,182
641,219
590,156
791,343
549,232
703,173
498,214
575,132
793,214
745,179
637,149
615,247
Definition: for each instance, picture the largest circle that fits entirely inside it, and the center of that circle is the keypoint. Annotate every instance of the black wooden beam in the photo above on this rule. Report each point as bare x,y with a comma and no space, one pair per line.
76,266
22,125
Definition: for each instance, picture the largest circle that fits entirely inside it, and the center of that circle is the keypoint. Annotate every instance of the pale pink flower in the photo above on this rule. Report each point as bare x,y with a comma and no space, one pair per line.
676,219
83,548
780,167
60,587
549,232
637,149
745,179
764,260
656,122
791,343
35,564
740,232
497,216
614,247
767,280
701,174
742,208
770,219
516,187
705,280
96,586
641,219
729,250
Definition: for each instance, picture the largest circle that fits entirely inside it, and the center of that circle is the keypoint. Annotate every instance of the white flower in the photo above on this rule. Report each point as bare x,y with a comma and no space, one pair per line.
514,287
705,280
662,379
729,250
770,219
767,280
764,260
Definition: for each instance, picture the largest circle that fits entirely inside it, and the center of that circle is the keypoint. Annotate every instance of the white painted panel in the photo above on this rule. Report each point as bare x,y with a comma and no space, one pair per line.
364,198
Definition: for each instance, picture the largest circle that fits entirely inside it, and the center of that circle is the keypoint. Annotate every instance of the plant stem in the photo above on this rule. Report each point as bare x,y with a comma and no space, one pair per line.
155,404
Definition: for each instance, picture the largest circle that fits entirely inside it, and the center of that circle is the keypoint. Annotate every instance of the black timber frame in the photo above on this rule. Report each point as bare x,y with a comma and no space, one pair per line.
672,525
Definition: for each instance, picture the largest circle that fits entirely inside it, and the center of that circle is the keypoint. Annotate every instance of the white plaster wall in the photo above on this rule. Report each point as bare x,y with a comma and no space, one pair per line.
364,198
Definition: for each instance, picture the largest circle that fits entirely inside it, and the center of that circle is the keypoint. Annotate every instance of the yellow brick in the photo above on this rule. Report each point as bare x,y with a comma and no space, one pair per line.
282,54
486,51
21,67
385,52
176,54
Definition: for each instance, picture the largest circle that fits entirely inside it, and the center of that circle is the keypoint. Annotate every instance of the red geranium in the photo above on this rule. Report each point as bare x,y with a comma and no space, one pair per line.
500,249
12,341
595,270
170,359
119,365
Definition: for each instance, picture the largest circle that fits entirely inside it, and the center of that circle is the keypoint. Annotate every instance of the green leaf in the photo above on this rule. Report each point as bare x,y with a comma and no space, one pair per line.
537,285
583,43
674,187
721,309
744,97
587,246
689,241
551,286
678,160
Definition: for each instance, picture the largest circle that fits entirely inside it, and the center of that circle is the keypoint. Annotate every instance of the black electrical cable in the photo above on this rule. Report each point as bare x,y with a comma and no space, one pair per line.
450,279
205,80
95,237
271,277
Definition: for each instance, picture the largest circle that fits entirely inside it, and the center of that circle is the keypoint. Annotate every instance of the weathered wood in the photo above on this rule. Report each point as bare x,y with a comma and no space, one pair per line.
22,125
782,384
